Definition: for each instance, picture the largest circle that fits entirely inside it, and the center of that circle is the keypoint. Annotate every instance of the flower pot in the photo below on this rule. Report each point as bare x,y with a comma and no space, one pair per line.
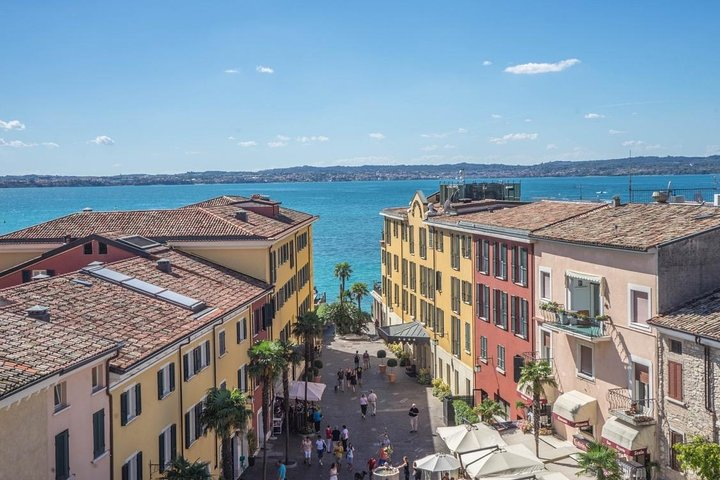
391,377
382,369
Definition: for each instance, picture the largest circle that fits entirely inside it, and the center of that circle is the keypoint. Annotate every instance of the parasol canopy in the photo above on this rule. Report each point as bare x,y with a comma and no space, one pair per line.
314,391
470,438
509,460
438,462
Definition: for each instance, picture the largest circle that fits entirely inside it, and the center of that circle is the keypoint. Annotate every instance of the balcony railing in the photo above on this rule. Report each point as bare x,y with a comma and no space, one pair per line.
576,323
632,470
638,411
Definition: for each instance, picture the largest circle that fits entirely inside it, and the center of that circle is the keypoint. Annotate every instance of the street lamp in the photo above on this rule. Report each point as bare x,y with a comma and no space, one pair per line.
435,342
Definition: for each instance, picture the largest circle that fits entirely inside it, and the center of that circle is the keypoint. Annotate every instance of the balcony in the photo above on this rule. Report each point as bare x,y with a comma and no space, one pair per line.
636,411
576,324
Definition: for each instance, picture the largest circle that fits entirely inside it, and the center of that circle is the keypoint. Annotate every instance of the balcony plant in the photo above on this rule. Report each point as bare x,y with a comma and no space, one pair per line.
552,307
392,363
602,318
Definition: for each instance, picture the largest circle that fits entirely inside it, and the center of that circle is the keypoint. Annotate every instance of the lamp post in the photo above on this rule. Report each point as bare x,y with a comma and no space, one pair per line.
435,342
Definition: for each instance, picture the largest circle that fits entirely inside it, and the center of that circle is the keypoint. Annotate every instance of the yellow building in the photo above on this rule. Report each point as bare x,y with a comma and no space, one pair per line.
427,277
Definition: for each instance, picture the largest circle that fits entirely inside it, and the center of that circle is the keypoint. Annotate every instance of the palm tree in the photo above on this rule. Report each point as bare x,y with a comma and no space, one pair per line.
359,290
307,328
343,270
291,357
601,461
181,469
225,411
534,377
266,364
488,410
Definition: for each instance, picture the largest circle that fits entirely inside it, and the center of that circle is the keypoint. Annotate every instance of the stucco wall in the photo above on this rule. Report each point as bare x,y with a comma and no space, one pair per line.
24,447
10,259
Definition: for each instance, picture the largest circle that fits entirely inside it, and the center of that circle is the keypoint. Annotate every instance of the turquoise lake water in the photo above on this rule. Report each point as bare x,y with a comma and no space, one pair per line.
349,227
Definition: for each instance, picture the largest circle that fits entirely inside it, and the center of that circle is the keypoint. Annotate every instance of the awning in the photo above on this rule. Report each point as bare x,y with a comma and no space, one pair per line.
627,439
575,409
583,276
297,391
410,332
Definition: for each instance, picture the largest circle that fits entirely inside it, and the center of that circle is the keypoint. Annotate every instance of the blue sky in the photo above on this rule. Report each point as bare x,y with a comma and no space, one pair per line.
102,88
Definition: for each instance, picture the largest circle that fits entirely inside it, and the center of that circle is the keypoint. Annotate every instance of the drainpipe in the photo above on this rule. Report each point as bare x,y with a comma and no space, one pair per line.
110,408
180,395
215,362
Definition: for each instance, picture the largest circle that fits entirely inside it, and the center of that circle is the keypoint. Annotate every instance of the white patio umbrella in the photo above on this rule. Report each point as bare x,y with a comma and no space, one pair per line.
314,391
438,462
510,460
470,438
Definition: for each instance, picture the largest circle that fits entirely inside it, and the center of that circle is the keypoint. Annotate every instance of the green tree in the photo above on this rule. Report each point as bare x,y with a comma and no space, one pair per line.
600,461
488,410
359,290
534,377
181,469
343,270
699,456
225,411
291,357
266,365
346,317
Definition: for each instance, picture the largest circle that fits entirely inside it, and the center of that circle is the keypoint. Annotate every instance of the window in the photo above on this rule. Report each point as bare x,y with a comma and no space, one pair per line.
130,404
639,306
167,446
519,265
102,248
413,276
404,272
193,428
87,248
483,349
133,468
482,299
440,319
545,292
242,374
98,378
676,346
466,246
484,265
467,293
519,316
387,231
455,335
585,362
221,344
501,358
500,310
438,281
675,439
60,396
468,337
196,360
98,420
439,240
422,233
241,330
396,263
62,455
411,231
455,294
500,260
166,380
675,380
396,227
455,251
546,346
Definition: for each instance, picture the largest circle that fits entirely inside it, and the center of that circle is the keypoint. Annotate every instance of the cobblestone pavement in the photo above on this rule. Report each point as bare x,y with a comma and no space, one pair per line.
343,408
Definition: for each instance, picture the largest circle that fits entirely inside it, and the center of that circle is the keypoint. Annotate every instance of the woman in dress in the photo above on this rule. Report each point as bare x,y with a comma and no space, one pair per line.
333,472
350,456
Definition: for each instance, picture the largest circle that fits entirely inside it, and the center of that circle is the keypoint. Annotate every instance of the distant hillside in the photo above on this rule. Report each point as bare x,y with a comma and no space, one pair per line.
618,166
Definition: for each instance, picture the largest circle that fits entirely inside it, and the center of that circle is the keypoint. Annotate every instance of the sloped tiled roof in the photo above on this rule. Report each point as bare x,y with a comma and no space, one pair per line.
698,317
33,349
529,217
634,226
214,221
143,323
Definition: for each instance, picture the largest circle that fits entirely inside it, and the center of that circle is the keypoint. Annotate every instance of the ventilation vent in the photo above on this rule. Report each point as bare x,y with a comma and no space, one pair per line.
164,265
38,312
241,215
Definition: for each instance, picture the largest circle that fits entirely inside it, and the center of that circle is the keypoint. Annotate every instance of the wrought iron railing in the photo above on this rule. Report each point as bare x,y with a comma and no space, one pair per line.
576,322
623,405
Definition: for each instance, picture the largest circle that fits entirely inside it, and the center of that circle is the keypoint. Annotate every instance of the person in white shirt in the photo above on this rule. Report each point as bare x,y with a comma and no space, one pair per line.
320,448
372,400
363,405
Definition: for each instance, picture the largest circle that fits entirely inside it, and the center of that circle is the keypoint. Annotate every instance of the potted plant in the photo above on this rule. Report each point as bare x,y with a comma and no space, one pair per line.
602,318
382,367
317,364
251,437
392,363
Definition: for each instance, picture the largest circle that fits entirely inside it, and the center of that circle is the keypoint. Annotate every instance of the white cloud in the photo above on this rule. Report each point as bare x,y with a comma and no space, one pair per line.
231,138
247,143
16,144
12,125
633,143
430,148
313,139
615,132
232,71
487,63
102,140
282,138
496,116
462,131
276,144
264,69
376,135
528,120
433,135
535,68
594,116
513,137
551,146
448,146
117,165
50,144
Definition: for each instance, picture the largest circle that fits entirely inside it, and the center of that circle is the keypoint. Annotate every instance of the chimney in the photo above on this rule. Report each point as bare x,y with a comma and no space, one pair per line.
164,265
616,201
241,215
38,312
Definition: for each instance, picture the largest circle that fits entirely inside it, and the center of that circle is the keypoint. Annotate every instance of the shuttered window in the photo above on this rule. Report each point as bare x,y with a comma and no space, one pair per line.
675,380
167,447
62,455
166,380
130,404
98,433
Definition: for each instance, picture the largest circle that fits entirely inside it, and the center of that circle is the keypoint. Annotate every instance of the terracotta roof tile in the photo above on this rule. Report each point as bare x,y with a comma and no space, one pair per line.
698,317
635,226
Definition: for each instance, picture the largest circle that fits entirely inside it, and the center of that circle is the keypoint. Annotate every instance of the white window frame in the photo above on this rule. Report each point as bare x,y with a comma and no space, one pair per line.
542,330
131,461
578,363
484,358
503,356
631,373
131,403
638,288
97,372
62,387
165,369
195,429
542,270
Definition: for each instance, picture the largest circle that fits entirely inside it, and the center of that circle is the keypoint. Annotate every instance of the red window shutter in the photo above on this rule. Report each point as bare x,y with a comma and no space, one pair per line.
675,380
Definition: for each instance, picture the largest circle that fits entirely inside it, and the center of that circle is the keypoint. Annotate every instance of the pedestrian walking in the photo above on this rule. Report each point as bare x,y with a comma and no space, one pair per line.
353,380
372,463
350,456
363,405
417,473
414,412
317,417
339,451
281,470
358,374
340,378
328,438
336,433
347,379
320,448
383,456
405,468
344,436
357,359
366,360
372,400
334,472
307,446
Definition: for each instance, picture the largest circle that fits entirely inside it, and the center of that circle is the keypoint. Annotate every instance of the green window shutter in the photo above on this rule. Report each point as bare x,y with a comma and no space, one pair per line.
126,471
160,383
62,456
187,430
98,433
139,465
172,377
207,352
138,400
173,442
161,451
123,408
238,332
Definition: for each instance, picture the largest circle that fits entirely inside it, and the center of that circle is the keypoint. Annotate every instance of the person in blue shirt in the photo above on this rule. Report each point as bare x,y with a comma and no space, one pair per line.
281,469
317,418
